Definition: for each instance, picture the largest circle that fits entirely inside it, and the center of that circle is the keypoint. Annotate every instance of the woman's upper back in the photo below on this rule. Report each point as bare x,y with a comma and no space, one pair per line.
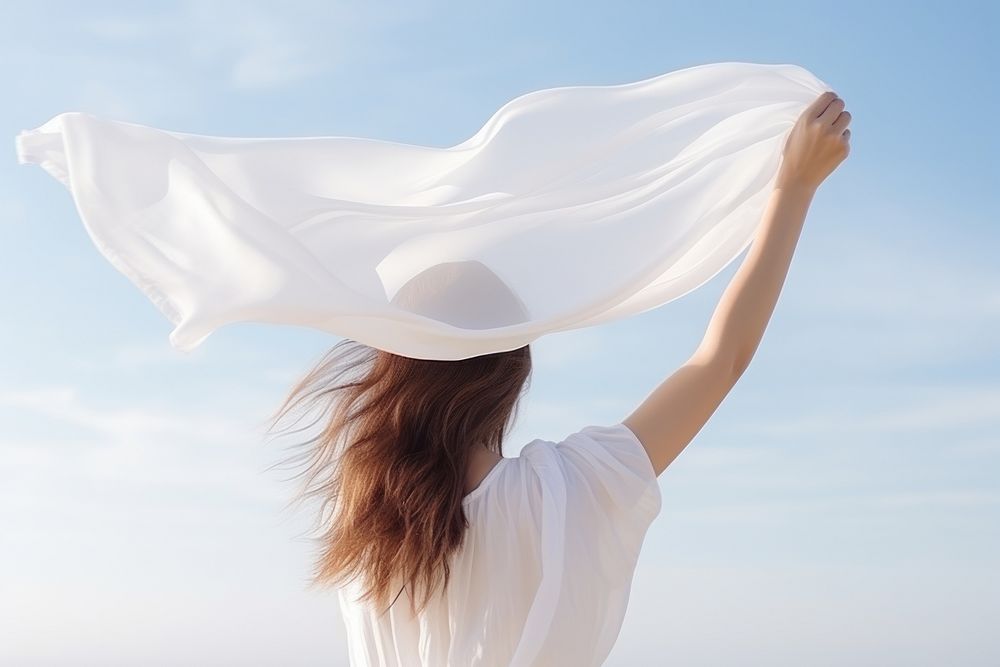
544,574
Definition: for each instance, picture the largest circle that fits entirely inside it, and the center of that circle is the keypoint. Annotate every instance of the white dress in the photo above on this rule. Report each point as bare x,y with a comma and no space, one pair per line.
544,576
571,206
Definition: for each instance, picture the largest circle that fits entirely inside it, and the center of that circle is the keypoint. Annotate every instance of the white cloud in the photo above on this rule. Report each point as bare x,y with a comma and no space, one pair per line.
958,499
120,28
850,504
137,451
259,45
130,425
892,409
107,99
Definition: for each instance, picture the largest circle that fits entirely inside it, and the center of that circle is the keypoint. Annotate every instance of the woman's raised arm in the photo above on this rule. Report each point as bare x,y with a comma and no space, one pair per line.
669,418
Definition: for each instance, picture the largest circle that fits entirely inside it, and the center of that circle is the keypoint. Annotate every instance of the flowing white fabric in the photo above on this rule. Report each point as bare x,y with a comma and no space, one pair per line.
570,207
545,573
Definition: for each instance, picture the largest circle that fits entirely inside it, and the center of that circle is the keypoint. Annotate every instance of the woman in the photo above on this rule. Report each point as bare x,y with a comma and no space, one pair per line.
444,551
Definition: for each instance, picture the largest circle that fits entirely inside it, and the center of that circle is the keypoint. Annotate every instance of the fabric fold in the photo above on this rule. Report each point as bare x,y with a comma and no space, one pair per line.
570,207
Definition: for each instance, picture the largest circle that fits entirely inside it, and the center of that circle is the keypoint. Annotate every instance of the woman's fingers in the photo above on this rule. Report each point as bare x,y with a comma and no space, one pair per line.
831,112
820,104
842,121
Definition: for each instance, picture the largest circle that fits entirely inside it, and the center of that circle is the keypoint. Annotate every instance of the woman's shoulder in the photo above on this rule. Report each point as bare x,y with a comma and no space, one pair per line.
605,461
613,445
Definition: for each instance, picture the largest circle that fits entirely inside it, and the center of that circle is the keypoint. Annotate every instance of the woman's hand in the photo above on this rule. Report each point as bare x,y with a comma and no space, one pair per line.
817,144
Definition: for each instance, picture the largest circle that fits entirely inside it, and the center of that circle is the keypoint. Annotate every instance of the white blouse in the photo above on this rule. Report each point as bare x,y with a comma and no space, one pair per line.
544,576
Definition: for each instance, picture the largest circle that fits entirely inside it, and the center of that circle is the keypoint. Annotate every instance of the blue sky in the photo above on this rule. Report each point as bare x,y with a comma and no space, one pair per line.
841,507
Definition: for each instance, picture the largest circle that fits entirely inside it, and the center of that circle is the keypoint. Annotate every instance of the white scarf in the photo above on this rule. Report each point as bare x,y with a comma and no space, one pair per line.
571,206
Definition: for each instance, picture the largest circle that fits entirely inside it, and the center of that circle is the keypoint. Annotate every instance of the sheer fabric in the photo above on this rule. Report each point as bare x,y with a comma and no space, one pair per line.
571,206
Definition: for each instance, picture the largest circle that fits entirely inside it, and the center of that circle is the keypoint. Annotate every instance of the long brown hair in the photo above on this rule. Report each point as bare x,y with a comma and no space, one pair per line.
389,465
